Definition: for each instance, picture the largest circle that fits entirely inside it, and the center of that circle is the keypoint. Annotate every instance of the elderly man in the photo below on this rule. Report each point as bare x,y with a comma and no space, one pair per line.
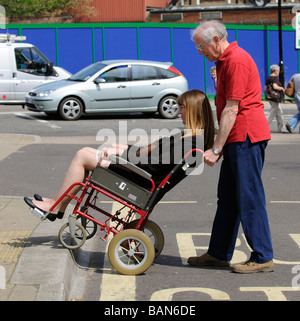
241,140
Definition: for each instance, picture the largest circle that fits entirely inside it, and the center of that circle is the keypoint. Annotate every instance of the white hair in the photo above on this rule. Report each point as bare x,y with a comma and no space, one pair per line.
209,29
274,68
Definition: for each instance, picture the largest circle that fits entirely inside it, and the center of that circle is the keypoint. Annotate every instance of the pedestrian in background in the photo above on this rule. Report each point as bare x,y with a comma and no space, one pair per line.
213,72
242,138
292,124
273,88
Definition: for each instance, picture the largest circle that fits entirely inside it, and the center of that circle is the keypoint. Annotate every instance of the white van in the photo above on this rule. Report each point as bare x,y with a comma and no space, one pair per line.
23,67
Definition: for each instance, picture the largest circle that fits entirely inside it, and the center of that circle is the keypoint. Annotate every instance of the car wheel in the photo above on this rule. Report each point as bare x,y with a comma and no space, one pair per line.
168,107
70,108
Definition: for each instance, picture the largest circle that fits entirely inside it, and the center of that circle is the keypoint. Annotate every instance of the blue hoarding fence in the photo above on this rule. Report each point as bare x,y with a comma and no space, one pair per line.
74,46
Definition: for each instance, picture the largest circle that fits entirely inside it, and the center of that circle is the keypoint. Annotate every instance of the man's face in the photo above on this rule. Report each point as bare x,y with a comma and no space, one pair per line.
209,50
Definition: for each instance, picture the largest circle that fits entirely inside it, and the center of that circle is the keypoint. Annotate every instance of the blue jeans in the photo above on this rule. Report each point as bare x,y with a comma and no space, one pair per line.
296,119
241,199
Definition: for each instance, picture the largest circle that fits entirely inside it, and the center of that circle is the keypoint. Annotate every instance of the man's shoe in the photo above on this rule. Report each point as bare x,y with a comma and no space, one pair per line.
253,267
207,260
288,127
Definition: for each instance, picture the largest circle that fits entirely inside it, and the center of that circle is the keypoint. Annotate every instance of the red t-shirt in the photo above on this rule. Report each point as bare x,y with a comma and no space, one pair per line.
238,79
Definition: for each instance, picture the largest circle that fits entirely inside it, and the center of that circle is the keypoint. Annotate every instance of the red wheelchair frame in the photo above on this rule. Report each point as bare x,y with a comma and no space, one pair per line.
135,242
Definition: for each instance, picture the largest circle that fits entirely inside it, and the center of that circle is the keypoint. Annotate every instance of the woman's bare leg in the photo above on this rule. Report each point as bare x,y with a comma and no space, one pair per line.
85,160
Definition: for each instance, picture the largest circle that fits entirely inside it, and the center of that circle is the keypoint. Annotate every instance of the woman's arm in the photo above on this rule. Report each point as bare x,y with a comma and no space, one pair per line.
277,87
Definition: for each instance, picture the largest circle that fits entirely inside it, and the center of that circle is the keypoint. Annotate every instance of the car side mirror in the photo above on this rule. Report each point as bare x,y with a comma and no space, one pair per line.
49,69
98,81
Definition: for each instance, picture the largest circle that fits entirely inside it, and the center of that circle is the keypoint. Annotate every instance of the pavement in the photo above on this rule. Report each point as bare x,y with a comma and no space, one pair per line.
34,266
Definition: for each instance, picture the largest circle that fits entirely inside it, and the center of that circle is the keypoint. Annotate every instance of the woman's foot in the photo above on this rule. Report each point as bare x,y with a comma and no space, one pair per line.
49,216
38,197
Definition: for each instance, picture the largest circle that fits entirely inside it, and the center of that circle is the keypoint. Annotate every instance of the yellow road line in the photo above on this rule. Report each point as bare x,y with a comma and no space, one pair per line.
162,202
114,286
285,202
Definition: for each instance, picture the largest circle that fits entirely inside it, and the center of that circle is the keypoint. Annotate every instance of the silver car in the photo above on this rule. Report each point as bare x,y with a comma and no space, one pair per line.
112,86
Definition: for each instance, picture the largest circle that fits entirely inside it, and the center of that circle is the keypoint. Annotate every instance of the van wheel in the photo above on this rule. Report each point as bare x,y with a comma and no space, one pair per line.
168,107
70,108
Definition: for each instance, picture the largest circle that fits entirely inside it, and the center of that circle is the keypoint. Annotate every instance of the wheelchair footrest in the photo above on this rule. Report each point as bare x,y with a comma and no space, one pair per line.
36,212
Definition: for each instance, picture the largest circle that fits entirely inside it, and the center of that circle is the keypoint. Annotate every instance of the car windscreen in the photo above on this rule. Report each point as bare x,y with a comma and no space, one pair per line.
88,72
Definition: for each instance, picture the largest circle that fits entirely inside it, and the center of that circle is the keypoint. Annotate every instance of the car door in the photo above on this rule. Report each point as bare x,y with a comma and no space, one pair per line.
30,71
110,91
145,86
7,93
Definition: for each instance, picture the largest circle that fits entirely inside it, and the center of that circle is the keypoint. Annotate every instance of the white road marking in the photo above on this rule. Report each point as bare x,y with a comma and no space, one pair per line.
43,121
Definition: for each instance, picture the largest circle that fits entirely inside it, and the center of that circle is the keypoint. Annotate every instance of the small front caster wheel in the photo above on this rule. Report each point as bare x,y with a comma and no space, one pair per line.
70,240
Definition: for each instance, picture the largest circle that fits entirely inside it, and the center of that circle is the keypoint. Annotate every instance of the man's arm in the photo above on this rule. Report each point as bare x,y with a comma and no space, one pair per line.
227,121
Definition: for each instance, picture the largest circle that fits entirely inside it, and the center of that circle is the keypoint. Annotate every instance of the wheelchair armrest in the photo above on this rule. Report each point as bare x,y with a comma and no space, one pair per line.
124,163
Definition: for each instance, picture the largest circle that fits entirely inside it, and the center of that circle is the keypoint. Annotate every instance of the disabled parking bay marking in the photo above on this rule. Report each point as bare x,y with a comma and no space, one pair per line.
115,286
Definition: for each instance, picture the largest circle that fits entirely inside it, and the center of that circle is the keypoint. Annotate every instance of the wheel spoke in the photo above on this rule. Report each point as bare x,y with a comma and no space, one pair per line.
124,249
137,261
124,255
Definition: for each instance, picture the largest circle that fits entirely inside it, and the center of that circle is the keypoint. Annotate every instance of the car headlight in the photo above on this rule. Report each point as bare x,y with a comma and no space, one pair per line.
45,93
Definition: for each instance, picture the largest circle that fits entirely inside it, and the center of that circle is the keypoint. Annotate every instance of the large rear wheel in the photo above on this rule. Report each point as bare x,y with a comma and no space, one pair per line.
131,252
155,234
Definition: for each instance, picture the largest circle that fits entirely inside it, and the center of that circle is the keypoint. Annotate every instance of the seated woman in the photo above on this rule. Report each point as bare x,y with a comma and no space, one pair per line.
196,115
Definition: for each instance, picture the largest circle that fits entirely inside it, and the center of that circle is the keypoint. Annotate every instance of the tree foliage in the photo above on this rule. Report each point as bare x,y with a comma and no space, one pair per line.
47,8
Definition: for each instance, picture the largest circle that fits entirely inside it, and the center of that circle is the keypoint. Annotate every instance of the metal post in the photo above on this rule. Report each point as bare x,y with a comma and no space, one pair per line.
72,226
281,65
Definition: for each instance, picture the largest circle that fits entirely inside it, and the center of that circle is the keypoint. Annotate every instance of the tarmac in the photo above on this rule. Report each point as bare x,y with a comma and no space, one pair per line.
34,266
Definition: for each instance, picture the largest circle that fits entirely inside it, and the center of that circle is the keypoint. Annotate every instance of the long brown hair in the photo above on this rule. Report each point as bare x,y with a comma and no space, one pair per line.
198,115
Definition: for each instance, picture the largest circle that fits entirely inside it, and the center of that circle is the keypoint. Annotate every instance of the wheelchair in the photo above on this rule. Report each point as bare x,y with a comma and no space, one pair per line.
134,240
